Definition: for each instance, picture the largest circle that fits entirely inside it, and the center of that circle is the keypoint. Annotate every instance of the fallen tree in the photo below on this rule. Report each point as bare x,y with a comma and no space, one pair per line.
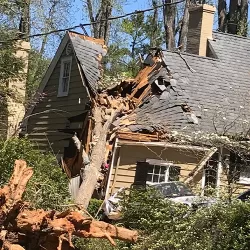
24,228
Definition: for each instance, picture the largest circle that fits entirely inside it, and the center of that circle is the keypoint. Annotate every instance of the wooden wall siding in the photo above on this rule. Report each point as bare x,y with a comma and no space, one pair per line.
129,155
51,112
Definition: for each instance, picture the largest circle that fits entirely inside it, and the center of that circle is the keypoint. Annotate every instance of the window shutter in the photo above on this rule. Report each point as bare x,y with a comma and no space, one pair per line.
141,173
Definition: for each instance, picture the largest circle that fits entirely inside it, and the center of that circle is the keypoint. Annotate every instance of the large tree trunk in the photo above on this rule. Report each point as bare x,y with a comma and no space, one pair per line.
222,15
153,38
233,17
99,28
237,17
24,24
169,13
39,229
91,171
182,43
243,15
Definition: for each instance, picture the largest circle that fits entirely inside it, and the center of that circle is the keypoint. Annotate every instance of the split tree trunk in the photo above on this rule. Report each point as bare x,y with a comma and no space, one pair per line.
39,229
92,171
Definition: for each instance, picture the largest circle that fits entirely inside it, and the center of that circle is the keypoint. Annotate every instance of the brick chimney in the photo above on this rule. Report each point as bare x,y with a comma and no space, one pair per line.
200,28
15,106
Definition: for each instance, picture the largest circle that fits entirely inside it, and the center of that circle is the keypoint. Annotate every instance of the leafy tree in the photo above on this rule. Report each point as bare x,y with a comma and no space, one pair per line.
234,19
143,32
36,72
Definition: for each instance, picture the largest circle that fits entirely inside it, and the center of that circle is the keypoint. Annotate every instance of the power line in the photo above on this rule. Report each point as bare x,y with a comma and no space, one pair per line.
100,21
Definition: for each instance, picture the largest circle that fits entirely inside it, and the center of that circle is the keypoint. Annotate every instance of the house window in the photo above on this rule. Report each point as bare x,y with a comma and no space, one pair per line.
160,171
64,80
239,168
245,175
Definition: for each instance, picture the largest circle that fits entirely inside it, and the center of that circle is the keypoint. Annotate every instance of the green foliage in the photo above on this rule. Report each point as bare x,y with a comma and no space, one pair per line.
137,34
93,206
164,225
170,226
48,187
37,68
93,244
10,65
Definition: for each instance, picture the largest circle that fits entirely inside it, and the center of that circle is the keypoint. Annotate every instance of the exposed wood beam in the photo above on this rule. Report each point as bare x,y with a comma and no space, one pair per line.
201,164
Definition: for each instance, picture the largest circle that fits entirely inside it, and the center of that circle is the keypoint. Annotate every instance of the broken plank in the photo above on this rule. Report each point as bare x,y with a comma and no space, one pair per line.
137,136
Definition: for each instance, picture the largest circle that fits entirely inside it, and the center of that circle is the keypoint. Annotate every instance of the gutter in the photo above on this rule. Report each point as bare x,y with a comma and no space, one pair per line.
162,144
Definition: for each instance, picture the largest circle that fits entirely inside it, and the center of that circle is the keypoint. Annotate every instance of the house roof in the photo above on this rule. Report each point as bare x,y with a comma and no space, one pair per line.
89,52
203,94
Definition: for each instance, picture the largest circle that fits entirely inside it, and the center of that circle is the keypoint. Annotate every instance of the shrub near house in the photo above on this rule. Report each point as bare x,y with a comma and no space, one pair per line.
164,226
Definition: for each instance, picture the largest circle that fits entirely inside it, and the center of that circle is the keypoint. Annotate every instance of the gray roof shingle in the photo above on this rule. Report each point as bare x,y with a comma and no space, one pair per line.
218,92
89,54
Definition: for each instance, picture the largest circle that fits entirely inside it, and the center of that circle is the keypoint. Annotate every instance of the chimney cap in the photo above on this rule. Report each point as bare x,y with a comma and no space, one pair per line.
203,8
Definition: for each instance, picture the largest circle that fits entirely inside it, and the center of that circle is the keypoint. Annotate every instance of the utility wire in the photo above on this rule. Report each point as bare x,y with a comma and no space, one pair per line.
91,23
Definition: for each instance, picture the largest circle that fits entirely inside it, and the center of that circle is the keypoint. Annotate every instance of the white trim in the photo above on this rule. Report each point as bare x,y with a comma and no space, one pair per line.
163,144
203,181
111,167
244,180
161,163
158,162
167,172
201,164
60,92
219,172
47,75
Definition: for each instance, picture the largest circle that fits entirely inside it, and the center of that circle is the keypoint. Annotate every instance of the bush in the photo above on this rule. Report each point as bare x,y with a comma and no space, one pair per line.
94,206
170,226
48,187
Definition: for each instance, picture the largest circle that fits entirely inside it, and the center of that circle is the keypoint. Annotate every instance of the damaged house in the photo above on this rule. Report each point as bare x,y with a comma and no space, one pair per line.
204,91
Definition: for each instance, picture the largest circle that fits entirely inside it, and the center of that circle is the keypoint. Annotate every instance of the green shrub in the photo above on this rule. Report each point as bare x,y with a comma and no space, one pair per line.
170,226
48,187
94,205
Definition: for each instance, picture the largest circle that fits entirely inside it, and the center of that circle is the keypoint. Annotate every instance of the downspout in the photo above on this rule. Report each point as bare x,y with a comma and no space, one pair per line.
219,171
203,181
111,167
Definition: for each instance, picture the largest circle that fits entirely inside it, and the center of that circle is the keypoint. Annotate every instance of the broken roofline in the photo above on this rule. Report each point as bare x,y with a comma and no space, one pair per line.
128,95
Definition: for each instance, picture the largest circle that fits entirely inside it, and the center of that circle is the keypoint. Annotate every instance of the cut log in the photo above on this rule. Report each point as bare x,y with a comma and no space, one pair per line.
50,229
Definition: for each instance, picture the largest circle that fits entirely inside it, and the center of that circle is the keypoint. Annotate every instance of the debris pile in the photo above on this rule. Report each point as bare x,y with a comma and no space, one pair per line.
23,228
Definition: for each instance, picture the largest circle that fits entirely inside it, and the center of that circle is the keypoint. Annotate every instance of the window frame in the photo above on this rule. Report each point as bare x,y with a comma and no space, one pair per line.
241,167
60,92
160,163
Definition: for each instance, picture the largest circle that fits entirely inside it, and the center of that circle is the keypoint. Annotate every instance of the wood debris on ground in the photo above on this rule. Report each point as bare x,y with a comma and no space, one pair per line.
24,228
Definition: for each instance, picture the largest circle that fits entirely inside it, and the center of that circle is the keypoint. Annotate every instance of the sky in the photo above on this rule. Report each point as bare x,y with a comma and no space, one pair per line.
80,15
129,6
